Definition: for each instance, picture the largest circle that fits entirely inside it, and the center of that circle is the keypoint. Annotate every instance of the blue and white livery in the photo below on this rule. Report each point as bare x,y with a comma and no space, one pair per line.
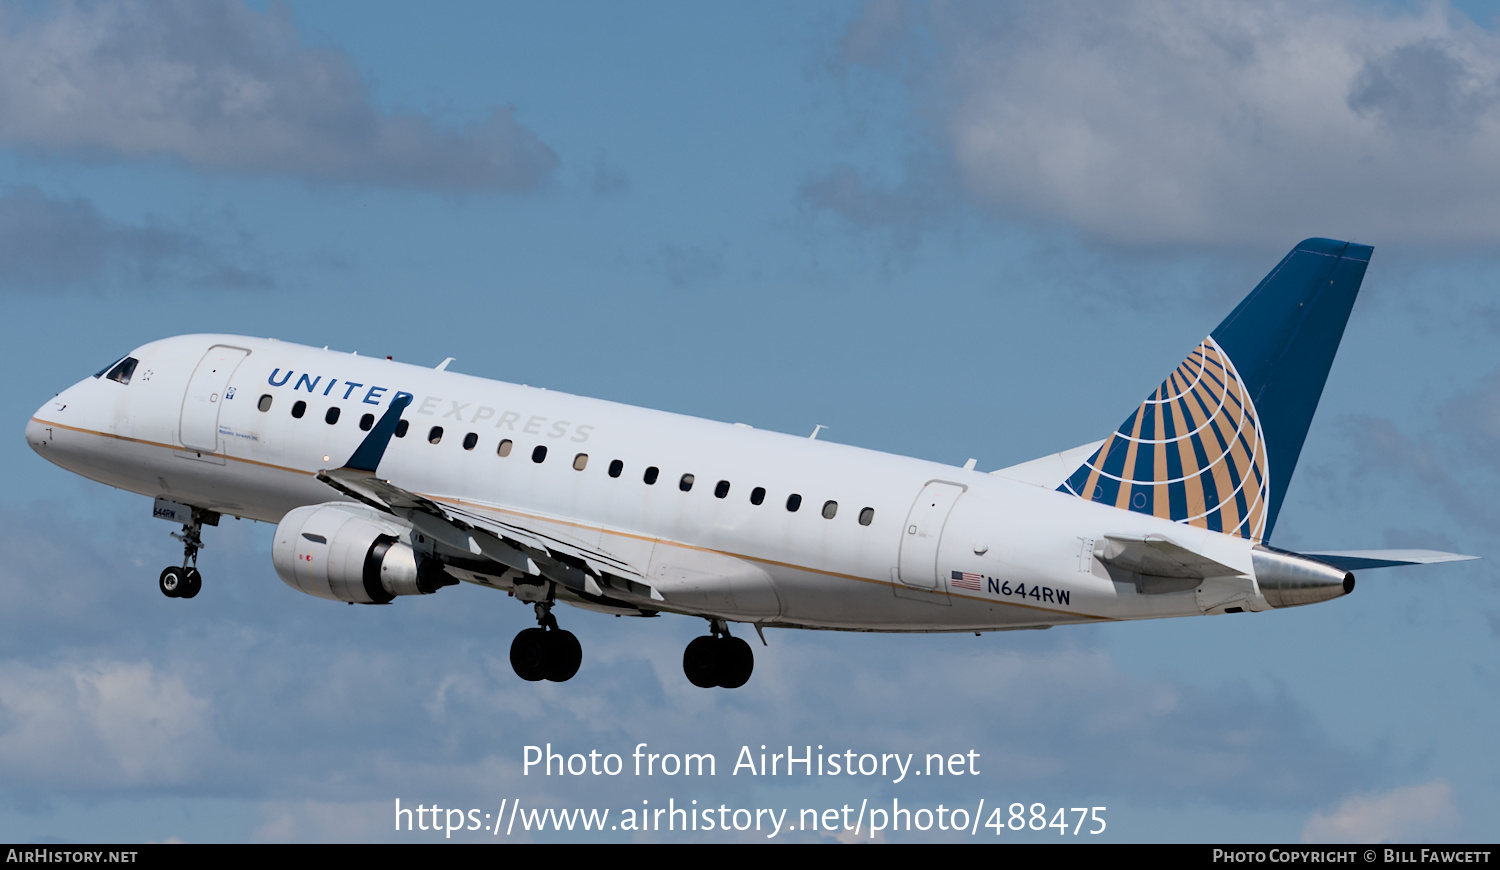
386,479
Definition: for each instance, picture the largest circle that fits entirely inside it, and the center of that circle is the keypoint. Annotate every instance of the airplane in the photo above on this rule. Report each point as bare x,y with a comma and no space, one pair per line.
387,480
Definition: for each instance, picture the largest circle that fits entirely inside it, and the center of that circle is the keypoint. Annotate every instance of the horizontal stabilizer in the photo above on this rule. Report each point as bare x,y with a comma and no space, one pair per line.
1356,560
1156,556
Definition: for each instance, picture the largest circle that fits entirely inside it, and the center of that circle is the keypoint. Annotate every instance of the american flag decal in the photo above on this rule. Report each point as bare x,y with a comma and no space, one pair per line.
967,581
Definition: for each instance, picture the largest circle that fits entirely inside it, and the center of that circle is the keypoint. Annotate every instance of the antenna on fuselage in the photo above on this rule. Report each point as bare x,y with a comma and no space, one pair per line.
816,429
443,366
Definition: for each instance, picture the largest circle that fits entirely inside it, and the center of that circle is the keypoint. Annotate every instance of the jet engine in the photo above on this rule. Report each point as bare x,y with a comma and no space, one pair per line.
350,553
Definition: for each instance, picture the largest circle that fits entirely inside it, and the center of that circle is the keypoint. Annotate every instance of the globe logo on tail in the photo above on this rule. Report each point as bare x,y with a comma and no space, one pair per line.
1193,452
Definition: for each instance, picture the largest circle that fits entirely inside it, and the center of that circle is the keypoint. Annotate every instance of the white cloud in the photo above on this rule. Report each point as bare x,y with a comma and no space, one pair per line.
100,725
1155,122
1418,812
48,243
223,87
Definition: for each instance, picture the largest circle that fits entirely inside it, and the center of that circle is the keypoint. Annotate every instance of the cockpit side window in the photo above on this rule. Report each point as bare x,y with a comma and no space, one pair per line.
123,370
100,373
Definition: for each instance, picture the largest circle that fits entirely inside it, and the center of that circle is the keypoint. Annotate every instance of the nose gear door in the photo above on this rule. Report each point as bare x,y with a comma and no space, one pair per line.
205,395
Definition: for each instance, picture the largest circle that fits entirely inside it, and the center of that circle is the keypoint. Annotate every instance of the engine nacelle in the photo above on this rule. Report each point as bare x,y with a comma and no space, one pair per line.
350,553
1290,580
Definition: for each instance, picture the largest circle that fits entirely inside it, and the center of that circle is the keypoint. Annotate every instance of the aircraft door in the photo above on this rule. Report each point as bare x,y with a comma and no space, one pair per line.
205,395
923,531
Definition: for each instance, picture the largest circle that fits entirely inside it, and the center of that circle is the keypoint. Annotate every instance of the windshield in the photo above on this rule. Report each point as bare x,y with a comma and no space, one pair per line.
100,373
123,370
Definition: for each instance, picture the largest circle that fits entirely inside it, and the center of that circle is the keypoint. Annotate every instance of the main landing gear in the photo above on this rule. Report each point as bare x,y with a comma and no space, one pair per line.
718,659
547,652
185,581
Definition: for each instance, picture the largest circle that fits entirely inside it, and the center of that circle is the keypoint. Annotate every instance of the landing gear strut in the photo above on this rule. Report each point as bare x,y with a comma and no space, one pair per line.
718,659
546,652
185,581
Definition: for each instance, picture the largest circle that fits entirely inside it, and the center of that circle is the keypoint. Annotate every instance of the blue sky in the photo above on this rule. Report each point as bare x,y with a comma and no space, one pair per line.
946,231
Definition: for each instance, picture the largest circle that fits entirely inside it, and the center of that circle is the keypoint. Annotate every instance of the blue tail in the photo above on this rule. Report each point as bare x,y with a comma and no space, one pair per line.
1216,444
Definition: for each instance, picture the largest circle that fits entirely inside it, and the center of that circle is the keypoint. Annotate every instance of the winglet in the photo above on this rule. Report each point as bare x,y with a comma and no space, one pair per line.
367,457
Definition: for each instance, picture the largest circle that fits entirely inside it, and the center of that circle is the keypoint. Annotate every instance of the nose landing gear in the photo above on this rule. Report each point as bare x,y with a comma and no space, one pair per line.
718,659
178,582
186,581
547,652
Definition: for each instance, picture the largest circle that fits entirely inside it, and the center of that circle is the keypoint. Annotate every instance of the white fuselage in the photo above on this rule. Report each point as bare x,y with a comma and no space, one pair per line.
185,430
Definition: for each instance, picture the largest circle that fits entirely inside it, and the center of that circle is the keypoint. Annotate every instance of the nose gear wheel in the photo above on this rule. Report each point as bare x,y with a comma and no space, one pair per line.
185,581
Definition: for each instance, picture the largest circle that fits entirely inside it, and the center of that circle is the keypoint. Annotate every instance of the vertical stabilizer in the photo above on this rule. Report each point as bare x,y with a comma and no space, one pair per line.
1215,445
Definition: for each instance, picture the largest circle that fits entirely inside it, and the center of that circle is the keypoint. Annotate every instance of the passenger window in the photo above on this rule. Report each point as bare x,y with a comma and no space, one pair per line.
435,434
401,427
123,371
793,502
757,495
686,483
504,448
299,409
829,509
332,416
650,477
470,440
367,422
867,516
580,462
539,454
721,489
615,468
265,402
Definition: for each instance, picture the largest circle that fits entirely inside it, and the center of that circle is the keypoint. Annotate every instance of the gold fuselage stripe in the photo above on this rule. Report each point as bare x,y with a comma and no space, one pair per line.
577,525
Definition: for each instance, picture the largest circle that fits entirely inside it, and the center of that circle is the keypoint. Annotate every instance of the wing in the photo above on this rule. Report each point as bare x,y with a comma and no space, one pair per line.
532,551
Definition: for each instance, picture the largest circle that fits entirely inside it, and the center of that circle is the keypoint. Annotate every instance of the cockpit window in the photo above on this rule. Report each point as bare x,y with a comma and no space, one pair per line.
123,370
100,373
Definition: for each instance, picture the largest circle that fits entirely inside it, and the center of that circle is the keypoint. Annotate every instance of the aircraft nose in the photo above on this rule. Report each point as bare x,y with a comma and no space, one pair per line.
38,434
42,428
